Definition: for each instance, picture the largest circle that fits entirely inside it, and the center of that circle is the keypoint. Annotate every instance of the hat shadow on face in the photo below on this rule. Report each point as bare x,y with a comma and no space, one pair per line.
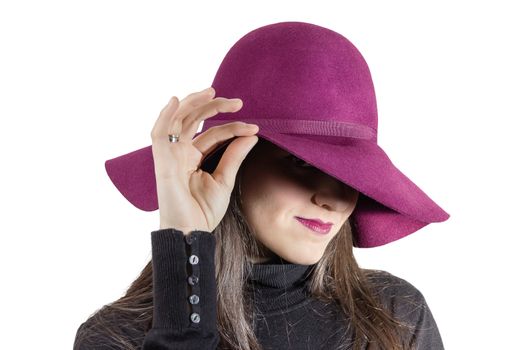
265,148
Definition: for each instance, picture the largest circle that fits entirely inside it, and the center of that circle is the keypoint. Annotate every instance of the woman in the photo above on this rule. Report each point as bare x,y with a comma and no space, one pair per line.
260,210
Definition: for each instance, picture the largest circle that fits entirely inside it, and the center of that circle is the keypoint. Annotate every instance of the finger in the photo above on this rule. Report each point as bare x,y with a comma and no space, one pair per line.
232,159
187,105
219,104
163,121
163,124
208,141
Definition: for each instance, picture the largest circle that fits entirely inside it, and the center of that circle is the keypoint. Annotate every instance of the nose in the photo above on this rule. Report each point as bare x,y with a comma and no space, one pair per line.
334,196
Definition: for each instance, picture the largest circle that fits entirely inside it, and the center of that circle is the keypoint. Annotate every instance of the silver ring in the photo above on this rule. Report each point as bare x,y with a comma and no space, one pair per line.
173,138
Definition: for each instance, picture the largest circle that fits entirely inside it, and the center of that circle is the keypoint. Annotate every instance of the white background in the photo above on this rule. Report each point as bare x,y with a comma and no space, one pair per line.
83,82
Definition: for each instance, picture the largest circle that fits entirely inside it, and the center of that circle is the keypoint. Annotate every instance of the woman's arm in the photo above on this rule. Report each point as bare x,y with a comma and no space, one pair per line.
426,333
172,325
184,291
408,304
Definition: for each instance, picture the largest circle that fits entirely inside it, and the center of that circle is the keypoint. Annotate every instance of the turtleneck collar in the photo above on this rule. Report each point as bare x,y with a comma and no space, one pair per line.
278,285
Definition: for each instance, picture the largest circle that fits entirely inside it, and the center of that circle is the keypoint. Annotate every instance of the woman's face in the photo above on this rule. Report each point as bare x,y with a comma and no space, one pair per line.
275,188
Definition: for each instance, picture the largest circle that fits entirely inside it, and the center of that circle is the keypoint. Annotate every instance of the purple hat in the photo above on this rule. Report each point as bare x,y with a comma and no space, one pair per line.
310,92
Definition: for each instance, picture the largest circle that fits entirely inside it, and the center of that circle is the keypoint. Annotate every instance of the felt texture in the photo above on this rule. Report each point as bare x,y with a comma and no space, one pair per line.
310,91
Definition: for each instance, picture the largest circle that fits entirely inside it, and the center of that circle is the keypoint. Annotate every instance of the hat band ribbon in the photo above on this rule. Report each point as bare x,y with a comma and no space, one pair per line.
307,127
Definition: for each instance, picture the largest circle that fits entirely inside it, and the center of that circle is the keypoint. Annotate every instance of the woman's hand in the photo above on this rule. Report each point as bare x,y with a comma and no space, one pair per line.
190,198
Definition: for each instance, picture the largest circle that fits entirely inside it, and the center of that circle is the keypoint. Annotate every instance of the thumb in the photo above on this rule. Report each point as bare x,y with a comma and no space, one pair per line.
232,159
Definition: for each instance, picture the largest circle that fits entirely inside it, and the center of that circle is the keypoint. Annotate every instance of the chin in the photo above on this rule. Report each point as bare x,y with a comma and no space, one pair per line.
304,260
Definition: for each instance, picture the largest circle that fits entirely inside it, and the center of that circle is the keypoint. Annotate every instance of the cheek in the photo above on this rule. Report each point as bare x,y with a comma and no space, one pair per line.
269,200
274,192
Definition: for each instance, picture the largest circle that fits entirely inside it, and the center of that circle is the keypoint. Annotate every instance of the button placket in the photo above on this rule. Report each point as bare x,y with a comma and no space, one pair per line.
193,280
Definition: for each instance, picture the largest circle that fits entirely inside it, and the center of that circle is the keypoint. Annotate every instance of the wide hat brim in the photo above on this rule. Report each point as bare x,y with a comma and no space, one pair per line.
390,206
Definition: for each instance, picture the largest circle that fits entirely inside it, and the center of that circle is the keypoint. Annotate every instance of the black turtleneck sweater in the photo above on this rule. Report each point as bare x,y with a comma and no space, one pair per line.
185,308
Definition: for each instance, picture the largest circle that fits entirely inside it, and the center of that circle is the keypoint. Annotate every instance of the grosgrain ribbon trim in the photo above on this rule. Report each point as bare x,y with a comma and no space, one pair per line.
307,127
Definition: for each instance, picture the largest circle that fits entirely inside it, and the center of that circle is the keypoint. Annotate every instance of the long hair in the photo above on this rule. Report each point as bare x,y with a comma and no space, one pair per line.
336,277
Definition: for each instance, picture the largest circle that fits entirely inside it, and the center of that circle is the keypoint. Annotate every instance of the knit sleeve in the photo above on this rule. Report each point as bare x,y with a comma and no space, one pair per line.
408,304
426,333
184,291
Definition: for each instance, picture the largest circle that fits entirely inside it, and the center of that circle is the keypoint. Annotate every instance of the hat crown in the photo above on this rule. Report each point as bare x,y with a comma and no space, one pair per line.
303,84
298,75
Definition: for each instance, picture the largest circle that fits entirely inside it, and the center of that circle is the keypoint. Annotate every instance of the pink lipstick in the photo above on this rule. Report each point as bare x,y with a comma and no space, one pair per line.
315,225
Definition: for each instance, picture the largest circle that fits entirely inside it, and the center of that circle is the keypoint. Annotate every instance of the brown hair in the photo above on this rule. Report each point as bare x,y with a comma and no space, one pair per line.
335,278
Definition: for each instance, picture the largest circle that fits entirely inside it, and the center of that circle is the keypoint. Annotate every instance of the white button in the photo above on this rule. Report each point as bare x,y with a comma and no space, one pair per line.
194,259
194,299
193,280
195,317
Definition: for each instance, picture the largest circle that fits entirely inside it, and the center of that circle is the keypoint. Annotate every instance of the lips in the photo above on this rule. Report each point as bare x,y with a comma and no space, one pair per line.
315,225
